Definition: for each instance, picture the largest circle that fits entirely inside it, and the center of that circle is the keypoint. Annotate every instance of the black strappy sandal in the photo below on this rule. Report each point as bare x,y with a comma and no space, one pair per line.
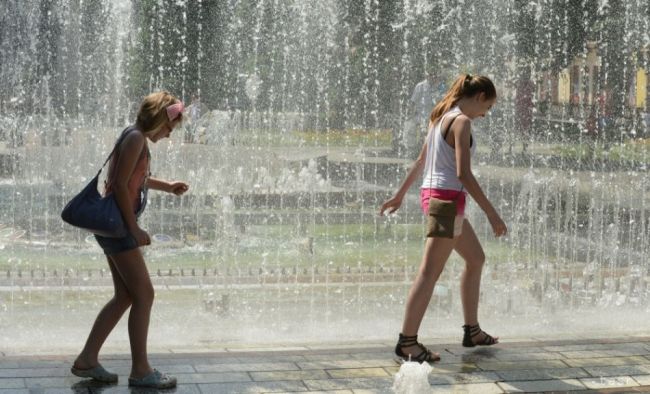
425,354
472,331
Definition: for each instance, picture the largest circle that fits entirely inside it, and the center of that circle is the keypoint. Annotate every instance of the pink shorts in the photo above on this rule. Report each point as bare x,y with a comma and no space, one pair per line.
442,194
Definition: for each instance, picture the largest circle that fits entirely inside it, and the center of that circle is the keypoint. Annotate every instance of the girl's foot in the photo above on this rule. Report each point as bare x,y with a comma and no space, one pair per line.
154,380
409,349
97,373
474,336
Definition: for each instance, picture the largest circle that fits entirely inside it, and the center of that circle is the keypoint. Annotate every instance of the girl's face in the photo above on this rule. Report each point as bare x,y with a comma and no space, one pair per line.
480,105
165,131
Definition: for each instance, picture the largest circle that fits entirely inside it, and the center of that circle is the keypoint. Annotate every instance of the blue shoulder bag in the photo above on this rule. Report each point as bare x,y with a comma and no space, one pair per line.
90,211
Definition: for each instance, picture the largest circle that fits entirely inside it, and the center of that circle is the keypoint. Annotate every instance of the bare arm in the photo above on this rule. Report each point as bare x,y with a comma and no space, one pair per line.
157,184
393,203
462,131
175,187
461,139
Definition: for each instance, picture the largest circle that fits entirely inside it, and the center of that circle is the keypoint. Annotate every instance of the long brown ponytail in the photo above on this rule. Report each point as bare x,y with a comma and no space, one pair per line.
464,86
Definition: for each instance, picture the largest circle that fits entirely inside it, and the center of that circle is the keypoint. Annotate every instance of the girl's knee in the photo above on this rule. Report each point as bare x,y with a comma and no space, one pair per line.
476,261
144,295
123,300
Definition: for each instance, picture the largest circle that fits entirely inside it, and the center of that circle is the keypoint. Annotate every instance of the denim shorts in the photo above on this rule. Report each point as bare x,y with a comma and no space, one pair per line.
116,245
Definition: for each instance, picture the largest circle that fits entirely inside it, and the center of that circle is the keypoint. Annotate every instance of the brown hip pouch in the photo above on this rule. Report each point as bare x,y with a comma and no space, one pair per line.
441,218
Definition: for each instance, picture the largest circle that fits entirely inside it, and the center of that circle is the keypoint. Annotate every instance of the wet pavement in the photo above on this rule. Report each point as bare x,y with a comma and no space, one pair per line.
620,364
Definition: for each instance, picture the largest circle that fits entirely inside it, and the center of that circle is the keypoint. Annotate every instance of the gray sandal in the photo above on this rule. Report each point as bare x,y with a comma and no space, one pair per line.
155,380
97,373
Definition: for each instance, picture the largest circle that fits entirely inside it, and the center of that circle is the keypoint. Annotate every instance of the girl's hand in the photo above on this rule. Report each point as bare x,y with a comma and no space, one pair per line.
498,226
178,188
391,205
141,237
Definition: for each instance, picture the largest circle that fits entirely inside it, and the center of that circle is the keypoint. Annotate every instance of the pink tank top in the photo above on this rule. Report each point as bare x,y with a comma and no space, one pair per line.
136,183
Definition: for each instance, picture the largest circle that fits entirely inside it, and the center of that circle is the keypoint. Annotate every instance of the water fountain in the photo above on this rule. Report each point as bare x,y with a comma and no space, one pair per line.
293,156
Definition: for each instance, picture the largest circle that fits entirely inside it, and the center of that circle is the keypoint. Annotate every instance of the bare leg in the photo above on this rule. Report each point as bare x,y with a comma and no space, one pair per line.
470,249
436,253
133,271
105,322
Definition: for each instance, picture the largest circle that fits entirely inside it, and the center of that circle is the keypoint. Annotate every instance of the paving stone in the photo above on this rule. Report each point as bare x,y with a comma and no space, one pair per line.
50,382
14,391
366,345
478,354
245,367
603,361
33,372
527,386
542,374
180,389
627,352
595,346
124,370
502,365
584,354
357,373
454,368
324,392
643,380
463,378
446,358
391,370
253,387
377,363
269,349
374,391
337,356
529,356
354,384
200,350
471,357
372,355
618,370
289,375
28,364
478,388
269,359
213,377
575,348
12,383
609,382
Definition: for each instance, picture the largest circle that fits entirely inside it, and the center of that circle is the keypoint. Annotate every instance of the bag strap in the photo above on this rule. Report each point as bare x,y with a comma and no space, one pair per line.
117,143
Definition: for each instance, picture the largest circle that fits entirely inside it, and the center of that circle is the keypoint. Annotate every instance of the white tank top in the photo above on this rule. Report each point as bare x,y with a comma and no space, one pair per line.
440,165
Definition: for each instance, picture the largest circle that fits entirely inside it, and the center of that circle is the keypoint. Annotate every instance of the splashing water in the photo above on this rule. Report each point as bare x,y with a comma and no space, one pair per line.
412,378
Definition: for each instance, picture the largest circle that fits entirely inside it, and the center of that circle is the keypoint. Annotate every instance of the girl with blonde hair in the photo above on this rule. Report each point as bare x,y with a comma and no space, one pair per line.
129,179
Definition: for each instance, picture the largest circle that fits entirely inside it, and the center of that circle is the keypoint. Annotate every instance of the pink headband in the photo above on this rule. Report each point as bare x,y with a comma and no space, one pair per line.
174,111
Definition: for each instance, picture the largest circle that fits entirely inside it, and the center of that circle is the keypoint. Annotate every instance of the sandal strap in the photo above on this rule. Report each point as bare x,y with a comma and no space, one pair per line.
405,341
424,356
476,330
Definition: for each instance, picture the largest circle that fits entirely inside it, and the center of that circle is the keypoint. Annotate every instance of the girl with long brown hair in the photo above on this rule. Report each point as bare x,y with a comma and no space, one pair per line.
445,161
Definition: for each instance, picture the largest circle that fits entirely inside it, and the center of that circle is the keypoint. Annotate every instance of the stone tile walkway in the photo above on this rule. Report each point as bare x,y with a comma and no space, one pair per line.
598,365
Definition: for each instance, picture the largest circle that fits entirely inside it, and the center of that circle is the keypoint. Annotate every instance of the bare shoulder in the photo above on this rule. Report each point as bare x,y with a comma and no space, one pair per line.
462,124
133,142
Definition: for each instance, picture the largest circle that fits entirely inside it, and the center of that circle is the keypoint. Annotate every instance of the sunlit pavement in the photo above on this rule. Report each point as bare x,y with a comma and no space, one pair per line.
620,364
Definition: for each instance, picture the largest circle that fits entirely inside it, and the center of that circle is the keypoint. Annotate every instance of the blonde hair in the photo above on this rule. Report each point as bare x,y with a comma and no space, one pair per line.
464,86
153,111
